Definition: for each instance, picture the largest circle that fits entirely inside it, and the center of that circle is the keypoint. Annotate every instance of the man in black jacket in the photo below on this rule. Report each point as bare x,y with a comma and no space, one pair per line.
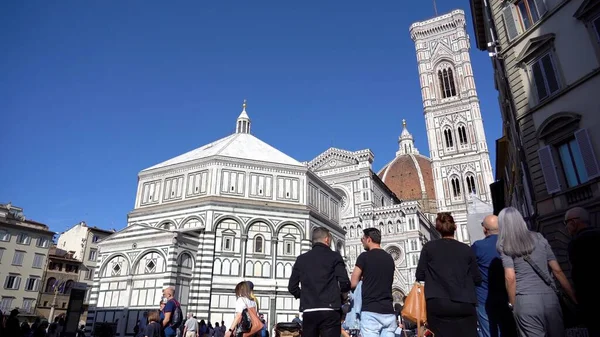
319,278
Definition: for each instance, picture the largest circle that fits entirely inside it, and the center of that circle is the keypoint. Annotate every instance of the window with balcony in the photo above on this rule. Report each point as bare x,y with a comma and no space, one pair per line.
569,158
572,163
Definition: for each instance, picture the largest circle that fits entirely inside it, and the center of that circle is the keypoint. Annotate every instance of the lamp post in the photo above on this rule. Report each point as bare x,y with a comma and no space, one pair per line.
52,306
55,288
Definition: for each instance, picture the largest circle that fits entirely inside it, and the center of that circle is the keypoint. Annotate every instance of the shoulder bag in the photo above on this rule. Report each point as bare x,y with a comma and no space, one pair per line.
414,308
565,301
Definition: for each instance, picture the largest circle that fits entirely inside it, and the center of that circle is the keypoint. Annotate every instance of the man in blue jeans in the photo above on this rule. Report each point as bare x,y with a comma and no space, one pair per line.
493,314
376,269
169,311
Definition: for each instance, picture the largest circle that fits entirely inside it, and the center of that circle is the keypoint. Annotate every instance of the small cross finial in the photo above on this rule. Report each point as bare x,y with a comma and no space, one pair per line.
404,122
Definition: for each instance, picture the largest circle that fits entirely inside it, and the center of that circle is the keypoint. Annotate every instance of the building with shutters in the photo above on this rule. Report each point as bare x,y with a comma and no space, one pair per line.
83,240
546,58
24,248
62,272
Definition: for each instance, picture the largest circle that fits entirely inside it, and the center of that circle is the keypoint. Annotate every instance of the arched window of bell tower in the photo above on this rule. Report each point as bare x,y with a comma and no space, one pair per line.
446,82
462,134
455,182
448,139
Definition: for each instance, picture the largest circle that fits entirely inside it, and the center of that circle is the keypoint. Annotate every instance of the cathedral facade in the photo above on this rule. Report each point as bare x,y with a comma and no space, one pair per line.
368,202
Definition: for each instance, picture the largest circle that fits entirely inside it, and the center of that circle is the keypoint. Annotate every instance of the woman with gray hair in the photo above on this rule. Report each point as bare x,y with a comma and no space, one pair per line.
528,260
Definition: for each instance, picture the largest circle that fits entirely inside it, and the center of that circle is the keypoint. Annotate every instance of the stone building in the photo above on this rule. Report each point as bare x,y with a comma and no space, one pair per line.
232,210
83,241
459,154
60,277
368,202
549,52
24,248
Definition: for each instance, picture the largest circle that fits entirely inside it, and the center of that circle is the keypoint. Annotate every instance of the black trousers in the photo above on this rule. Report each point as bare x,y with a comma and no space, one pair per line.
326,323
446,318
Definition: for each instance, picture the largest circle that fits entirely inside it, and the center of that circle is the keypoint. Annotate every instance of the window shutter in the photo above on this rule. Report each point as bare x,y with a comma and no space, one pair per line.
510,22
528,200
549,169
541,7
587,153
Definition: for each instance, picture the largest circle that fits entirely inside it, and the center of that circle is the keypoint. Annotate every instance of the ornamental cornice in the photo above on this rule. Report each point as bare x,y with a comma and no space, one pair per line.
438,25
216,162
338,170
460,160
462,104
349,156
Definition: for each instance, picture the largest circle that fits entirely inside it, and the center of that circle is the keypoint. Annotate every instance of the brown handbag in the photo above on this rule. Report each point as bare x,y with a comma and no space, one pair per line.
257,324
414,308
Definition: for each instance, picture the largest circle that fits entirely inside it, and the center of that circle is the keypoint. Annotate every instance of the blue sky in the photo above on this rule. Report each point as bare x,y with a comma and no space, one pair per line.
92,92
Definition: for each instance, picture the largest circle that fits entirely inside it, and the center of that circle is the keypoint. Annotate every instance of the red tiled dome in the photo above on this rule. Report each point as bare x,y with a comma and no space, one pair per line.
410,177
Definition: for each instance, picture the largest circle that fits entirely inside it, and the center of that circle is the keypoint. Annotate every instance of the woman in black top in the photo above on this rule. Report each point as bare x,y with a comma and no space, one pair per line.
153,329
449,270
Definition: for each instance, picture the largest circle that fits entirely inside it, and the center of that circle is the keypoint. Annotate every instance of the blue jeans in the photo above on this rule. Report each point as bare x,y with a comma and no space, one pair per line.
377,325
170,332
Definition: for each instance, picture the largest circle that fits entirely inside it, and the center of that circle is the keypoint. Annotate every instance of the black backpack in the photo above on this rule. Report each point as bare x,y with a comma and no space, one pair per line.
177,316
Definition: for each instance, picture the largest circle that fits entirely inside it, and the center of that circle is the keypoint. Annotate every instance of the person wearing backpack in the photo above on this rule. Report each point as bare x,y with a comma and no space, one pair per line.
172,312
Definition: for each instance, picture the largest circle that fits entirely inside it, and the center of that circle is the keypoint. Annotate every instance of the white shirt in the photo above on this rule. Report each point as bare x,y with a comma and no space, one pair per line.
243,303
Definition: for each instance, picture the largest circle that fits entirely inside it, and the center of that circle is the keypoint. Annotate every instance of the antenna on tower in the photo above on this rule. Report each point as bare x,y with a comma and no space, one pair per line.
435,8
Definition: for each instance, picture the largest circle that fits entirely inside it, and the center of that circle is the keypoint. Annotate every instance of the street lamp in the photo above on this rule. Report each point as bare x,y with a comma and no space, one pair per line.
56,287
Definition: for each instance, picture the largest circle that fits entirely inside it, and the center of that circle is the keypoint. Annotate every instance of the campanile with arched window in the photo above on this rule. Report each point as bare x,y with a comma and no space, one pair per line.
460,159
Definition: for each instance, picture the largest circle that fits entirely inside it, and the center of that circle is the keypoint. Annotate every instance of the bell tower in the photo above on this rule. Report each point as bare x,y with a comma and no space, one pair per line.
457,143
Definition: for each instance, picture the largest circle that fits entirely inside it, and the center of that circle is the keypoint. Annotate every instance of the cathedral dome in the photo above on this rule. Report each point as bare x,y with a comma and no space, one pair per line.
409,175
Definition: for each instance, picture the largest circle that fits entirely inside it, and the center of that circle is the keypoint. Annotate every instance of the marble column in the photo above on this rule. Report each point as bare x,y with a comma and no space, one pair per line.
244,243
274,243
